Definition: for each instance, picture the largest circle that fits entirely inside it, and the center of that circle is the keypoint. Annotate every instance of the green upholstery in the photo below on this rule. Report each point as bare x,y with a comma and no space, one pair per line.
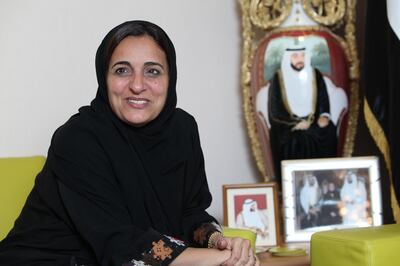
17,177
369,246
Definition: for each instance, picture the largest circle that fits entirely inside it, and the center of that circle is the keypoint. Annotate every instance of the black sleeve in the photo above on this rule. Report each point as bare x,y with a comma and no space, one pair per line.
93,201
197,223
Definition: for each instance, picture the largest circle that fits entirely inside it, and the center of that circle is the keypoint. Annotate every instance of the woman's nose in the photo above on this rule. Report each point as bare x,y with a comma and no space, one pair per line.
137,84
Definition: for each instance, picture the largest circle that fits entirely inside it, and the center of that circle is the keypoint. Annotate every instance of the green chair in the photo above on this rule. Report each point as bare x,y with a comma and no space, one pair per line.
17,176
369,246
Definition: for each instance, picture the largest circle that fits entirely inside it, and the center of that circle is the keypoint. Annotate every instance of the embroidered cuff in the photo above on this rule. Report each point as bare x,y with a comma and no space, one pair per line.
162,252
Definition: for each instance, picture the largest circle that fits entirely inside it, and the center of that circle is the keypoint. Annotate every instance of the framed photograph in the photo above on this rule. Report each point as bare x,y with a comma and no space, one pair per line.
323,194
255,207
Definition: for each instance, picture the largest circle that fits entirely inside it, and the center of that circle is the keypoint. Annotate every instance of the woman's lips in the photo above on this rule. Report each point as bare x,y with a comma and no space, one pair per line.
137,103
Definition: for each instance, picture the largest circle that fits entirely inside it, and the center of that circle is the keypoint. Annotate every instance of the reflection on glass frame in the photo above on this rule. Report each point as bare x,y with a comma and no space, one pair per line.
255,207
324,194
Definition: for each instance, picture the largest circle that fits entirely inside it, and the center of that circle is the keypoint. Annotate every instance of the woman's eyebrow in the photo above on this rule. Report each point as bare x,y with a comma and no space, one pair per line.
150,63
153,63
121,63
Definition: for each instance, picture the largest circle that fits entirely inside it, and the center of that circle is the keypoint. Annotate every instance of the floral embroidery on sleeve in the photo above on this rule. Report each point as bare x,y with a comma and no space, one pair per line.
136,263
162,252
175,240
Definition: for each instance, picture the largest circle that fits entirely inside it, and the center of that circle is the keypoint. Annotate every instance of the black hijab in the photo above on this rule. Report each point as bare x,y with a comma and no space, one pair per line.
123,186
103,57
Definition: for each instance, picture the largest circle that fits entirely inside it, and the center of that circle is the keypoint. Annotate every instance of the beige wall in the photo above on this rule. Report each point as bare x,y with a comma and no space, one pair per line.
47,51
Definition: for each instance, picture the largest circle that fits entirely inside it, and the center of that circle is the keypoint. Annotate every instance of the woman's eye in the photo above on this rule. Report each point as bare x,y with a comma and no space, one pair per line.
122,70
153,72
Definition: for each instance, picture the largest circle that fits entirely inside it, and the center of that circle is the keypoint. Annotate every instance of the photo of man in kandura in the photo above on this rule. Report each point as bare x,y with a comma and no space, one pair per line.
338,198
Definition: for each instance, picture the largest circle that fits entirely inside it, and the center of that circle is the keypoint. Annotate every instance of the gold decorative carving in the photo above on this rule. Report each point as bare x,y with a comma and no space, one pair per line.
267,14
247,56
255,27
325,12
352,55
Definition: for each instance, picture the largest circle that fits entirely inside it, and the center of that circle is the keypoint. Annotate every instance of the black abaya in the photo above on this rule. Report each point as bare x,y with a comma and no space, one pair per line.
114,194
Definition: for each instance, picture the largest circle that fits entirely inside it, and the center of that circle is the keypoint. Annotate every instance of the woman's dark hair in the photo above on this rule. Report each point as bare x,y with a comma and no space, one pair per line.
138,28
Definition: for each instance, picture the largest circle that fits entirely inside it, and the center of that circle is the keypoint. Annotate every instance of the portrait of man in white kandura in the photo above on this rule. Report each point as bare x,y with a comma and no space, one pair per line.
301,106
310,194
253,218
354,197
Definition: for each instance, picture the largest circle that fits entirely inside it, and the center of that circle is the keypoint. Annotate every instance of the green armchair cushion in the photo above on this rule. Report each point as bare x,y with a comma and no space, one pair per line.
17,177
368,246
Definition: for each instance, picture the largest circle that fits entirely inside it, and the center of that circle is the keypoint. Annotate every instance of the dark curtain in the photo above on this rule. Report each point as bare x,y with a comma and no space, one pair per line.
380,80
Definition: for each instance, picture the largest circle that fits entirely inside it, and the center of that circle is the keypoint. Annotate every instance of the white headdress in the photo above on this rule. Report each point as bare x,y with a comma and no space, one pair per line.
251,215
298,84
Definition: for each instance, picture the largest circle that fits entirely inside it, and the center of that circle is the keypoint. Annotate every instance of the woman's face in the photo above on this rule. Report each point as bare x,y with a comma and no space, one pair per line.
137,80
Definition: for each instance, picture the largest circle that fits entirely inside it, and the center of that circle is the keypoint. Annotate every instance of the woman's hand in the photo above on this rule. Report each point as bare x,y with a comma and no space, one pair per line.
241,252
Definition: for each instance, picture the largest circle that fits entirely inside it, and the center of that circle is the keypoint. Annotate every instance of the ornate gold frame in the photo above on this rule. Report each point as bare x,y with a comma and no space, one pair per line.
254,29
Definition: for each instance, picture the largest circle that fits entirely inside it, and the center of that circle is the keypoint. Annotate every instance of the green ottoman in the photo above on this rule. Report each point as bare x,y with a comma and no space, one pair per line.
369,246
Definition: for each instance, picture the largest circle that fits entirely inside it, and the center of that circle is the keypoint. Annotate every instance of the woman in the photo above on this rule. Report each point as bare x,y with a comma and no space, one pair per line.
124,181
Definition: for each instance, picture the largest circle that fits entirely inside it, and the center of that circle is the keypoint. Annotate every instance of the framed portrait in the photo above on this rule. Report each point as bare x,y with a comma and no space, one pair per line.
254,207
332,193
300,80
285,97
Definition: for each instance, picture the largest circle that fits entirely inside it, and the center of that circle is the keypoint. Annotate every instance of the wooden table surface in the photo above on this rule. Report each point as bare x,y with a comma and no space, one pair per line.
267,259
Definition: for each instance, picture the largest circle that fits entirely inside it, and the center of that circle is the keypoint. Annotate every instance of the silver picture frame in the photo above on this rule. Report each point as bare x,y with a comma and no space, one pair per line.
332,193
